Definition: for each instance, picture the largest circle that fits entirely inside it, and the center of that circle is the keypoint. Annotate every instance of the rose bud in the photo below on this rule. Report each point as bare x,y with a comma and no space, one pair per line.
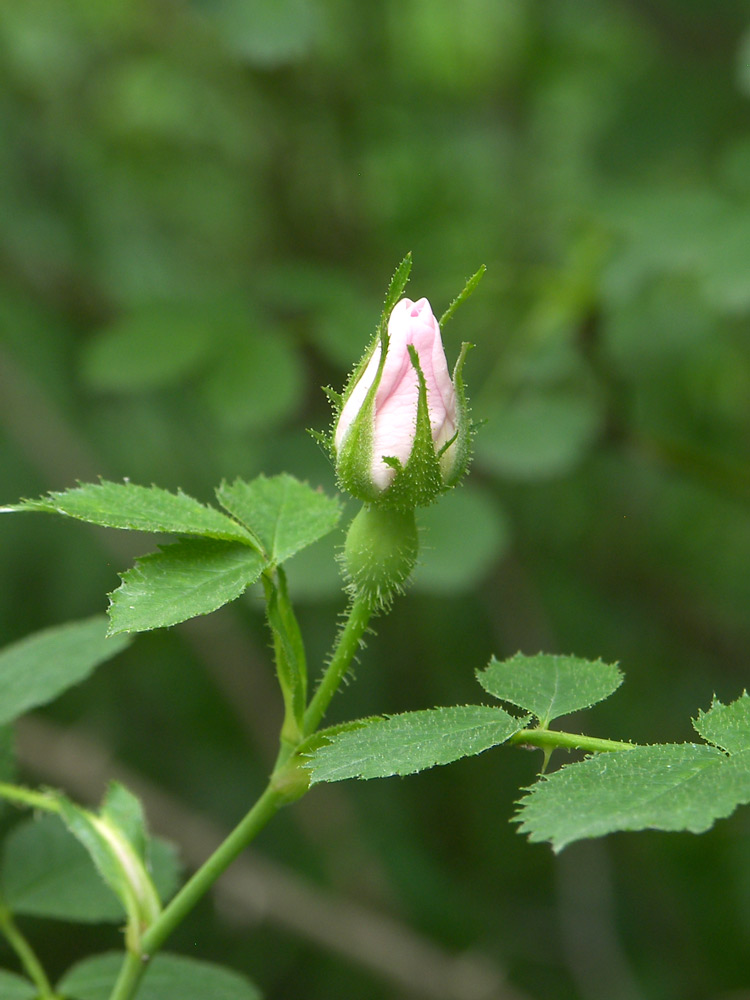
402,433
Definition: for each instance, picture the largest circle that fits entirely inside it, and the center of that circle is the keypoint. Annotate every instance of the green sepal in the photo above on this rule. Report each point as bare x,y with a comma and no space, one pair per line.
464,428
354,472
463,295
396,288
419,482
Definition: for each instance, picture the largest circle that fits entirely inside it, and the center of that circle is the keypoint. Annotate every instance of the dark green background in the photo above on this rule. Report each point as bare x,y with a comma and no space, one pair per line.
200,206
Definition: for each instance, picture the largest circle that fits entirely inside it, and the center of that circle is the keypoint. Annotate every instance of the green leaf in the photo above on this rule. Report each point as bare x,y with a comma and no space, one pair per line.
726,726
192,577
48,873
256,382
154,345
37,669
118,852
413,741
265,33
670,787
139,508
539,435
284,513
8,769
549,686
170,977
14,987
461,536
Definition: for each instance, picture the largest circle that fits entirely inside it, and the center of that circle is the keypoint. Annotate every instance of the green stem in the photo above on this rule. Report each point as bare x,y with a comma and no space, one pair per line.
552,739
135,965
264,809
25,953
131,973
28,797
346,649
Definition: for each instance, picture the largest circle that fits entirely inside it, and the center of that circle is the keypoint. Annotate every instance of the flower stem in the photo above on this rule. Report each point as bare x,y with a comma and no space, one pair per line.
552,739
26,954
346,649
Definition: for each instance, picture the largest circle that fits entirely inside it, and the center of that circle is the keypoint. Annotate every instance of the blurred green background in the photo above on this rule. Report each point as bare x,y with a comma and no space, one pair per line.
201,203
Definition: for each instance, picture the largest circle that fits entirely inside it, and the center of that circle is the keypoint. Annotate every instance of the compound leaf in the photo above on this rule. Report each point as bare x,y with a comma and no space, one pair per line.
48,873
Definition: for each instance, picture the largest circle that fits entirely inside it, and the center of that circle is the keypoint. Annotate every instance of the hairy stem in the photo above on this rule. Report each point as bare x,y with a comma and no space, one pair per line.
346,649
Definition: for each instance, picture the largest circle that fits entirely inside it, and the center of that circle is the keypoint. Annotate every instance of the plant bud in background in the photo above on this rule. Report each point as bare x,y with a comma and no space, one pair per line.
402,433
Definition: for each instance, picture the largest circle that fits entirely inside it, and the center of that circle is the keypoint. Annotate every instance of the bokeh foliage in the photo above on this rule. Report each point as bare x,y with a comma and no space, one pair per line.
201,205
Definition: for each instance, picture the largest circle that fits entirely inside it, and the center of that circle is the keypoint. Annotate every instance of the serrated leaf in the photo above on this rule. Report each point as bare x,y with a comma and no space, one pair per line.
48,873
413,741
38,668
14,987
670,787
192,577
549,686
169,977
283,512
726,726
139,508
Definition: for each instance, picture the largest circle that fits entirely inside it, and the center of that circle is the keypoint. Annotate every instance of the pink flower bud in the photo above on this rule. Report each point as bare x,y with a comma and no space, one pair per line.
394,425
